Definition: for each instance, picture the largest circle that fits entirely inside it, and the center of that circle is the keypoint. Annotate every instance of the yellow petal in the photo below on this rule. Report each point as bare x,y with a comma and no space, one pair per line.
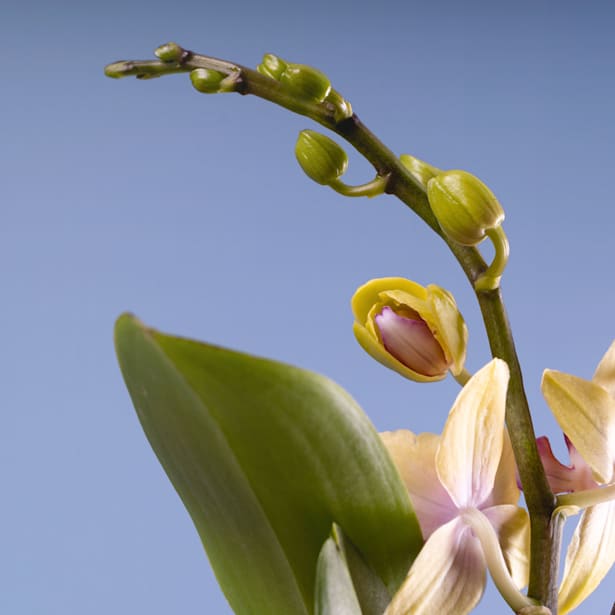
586,414
448,576
512,525
605,372
471,445
414,457
505,488
590,555
447,325
368,294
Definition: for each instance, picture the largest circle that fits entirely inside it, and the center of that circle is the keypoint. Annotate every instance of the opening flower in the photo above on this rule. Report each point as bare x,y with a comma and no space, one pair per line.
416,331
585,410
463,488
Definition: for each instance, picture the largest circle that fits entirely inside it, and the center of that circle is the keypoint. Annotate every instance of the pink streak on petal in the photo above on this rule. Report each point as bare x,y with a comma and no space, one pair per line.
411,342
562,478
414,456
448,576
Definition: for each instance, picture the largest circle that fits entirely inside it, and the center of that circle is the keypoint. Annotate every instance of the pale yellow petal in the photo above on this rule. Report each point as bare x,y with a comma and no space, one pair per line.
512,525
590,555
447,577
414,457
605,372
505,488
471,445
586,414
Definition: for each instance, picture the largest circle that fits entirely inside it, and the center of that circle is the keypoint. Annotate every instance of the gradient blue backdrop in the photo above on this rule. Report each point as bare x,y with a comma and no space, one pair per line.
191,212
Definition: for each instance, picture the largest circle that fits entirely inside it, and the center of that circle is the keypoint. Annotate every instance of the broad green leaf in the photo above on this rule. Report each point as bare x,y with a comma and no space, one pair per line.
345,585
266,457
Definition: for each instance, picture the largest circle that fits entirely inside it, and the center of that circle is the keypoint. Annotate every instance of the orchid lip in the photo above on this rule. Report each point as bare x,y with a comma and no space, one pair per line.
411,342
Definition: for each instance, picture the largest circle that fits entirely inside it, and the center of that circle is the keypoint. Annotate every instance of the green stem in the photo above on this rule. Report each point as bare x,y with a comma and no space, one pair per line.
490,280
462,377
373,188
545,535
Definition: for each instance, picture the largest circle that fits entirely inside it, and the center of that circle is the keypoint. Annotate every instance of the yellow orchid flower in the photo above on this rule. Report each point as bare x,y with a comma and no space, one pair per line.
463,487
416,331
585,410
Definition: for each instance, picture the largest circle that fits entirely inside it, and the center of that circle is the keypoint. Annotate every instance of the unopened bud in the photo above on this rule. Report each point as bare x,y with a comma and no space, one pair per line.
306,82
321,158
272,66
465,208
206,80
169,52
416,331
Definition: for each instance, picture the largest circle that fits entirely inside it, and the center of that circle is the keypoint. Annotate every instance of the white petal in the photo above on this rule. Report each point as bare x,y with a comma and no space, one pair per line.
586,414
414,457
590,555
448,576
471,445
605,372
505,487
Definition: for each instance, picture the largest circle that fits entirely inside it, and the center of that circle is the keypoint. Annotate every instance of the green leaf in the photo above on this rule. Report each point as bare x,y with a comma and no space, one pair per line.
345,585
266,457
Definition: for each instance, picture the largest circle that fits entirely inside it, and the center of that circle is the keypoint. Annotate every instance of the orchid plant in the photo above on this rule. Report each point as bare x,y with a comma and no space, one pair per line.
262,453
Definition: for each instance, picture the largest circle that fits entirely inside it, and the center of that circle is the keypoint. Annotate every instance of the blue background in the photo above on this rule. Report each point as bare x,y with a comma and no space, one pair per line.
191,211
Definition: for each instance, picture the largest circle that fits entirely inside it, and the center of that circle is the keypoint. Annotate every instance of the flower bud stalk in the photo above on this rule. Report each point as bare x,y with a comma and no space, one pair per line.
490,280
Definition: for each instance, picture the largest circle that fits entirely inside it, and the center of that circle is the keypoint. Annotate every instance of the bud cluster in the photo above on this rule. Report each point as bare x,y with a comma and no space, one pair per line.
305,82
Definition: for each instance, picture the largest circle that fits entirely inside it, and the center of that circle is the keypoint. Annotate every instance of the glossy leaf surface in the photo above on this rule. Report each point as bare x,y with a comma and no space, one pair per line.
266,457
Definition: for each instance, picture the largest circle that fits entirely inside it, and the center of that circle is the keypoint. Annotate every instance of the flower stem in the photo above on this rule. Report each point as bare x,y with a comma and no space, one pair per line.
490,280
463,376
370,189
589,497
545,533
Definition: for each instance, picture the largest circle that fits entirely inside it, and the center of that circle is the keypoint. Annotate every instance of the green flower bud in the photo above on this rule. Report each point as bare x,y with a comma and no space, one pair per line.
342,108
306,82
421,171
465,208
169,52
272,66
322,159
206,80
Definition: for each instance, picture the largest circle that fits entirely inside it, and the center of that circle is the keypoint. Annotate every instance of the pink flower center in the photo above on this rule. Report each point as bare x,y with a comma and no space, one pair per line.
411,342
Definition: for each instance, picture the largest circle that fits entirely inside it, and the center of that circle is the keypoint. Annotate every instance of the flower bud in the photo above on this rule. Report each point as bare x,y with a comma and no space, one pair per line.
421,171
321,158
465,208
206,80
272,66
416,331
342,109
306,82
169,52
